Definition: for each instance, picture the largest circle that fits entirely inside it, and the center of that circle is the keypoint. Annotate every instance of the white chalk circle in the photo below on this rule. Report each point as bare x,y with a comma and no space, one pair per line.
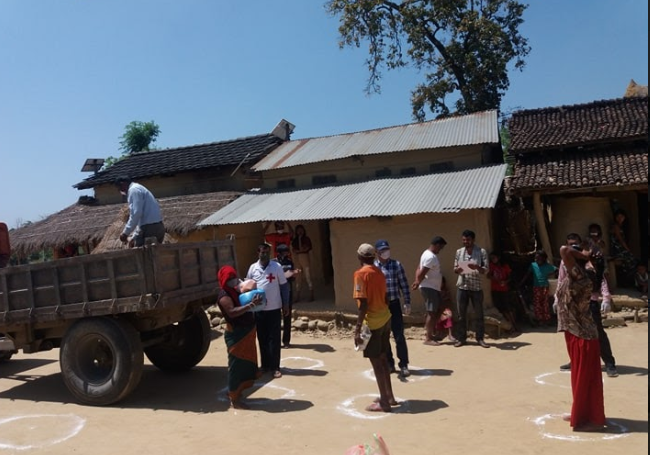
621,431
544,379
293,360
38,431
347,407
425,374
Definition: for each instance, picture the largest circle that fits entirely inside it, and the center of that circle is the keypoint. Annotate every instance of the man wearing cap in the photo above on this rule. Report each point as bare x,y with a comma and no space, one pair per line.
145,217
369,291
428,278
396,286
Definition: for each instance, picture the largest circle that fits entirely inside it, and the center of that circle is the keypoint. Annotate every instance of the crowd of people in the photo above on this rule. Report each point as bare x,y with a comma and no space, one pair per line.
382,292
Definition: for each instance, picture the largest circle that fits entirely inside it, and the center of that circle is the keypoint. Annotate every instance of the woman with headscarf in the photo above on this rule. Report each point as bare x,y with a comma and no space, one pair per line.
240,336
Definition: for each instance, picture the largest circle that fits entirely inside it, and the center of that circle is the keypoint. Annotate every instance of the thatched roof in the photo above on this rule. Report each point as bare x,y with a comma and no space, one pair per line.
83,223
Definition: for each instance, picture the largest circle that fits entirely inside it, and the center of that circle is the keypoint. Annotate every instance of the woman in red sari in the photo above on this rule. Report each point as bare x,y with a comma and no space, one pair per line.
240,336
581,336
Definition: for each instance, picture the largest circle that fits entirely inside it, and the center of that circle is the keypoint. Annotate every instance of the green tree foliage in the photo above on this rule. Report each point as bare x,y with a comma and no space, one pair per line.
463,47
137,137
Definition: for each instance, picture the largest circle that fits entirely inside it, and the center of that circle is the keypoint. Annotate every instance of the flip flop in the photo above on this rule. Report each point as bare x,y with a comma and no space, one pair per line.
239,405
277,374
376,407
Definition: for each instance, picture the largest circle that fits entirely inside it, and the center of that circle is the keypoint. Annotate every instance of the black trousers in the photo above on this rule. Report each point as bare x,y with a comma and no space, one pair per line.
286,326
397,327
603,339
269,326
463,299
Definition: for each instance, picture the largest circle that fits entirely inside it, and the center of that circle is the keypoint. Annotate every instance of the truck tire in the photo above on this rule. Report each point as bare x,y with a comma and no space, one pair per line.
101,360
5,355
188,342
7,348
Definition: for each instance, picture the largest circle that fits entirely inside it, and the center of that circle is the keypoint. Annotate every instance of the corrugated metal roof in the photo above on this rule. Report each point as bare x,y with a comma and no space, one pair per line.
478,128
447,192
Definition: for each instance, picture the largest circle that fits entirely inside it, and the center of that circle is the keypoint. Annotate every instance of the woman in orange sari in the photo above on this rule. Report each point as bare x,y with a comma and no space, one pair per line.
240,336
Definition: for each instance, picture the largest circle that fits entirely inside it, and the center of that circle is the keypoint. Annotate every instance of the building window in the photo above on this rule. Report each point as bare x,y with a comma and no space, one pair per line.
323,180
407,171
442,167
385,172
284,184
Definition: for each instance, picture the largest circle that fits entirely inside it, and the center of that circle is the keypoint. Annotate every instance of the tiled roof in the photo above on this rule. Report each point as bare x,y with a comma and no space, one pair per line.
567,127
614,167
243,151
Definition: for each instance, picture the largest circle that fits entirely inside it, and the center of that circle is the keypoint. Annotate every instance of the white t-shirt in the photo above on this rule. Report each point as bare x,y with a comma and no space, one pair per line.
433,278
269,280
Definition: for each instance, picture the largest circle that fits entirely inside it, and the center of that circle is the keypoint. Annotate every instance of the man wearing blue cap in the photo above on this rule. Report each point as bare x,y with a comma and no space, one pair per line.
396,286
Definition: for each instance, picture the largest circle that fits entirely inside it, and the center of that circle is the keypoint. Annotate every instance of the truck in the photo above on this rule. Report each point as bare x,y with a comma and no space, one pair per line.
105,312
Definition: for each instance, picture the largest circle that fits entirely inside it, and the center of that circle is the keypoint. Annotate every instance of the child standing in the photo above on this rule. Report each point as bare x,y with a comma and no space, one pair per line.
540,269
499,274
445,322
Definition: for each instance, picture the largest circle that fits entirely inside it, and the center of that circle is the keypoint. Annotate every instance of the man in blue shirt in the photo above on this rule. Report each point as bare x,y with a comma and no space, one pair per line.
145,217
396,286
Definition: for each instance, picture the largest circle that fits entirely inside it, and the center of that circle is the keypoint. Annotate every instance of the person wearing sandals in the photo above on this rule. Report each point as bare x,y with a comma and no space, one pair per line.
369,290
270,278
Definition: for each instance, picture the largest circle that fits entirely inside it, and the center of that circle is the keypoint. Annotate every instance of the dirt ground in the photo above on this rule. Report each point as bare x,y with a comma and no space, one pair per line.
504,400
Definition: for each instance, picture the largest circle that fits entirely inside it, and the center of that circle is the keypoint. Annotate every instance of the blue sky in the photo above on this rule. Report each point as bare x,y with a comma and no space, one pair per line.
74,73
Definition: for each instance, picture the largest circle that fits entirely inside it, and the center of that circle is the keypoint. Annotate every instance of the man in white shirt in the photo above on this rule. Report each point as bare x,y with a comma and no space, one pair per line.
145,217
270,278
428,278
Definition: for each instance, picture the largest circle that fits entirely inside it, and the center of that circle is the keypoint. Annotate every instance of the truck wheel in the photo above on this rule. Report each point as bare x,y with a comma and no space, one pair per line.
7,348
5,355
188,342
101,360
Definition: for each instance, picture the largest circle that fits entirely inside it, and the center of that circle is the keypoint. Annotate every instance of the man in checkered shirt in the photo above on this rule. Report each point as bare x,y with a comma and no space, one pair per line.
396,286
470,263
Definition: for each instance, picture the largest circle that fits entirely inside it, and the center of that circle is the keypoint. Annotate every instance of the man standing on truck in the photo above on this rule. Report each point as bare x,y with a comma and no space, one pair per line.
145,216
